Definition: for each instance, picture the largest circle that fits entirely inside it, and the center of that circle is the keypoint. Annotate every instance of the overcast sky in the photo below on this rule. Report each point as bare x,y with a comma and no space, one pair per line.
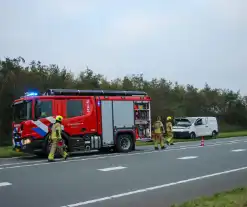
189,41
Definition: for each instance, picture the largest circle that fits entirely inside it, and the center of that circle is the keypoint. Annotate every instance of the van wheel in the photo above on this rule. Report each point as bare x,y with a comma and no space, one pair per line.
124,143
214,134
192,135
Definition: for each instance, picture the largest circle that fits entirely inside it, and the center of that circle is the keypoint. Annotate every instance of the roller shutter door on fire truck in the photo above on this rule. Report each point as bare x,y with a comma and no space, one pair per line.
116,114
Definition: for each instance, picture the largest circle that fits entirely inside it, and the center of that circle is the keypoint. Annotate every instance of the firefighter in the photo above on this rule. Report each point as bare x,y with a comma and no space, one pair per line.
169,133
158,134
56,139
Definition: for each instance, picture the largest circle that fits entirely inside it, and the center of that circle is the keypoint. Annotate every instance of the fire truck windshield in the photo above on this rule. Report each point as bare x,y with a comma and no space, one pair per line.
22,111
43,108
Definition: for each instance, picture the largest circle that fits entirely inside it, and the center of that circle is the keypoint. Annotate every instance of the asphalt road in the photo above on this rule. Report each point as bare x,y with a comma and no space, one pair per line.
142,178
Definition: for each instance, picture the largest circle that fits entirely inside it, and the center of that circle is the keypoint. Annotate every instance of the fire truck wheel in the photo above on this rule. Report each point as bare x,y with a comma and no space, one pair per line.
124,143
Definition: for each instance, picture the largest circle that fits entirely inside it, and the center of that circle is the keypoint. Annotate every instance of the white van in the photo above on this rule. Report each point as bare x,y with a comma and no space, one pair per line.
192,127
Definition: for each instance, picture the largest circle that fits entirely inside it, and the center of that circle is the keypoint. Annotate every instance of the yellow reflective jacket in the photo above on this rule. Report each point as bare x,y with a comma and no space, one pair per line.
169,127
56,131
158,127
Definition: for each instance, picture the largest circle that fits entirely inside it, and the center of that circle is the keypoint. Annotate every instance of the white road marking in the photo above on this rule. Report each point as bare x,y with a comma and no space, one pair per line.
112,168
98,157
4,184
19,157
238,150
154,188
42,161
187,158
218,142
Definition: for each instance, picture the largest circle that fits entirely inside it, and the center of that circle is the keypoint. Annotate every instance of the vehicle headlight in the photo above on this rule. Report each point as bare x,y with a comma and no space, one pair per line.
26,141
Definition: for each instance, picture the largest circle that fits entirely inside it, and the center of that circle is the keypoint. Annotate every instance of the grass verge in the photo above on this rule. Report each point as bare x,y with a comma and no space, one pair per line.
6,152
233,198
220,135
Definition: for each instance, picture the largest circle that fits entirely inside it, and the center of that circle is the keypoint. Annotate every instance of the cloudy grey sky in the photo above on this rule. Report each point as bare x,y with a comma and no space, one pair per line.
189,41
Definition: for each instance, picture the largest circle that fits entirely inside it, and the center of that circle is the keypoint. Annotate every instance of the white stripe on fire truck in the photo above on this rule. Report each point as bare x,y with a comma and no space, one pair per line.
51,119
41,125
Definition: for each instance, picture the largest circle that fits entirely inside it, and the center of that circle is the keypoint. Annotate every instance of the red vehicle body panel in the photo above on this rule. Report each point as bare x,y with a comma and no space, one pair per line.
90,120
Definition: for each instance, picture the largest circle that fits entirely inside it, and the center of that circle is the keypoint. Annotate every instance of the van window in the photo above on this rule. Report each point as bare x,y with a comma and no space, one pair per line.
182,122
74,108
199,122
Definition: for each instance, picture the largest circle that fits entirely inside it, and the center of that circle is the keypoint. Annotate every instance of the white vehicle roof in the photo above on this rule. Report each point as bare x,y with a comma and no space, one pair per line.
194,118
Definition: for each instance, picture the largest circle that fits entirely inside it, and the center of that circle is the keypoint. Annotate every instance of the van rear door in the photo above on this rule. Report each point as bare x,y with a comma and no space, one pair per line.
212,125
201,127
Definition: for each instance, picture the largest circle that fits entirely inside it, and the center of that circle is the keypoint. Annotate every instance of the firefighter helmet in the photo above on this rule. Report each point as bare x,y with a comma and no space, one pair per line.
169,118
59,118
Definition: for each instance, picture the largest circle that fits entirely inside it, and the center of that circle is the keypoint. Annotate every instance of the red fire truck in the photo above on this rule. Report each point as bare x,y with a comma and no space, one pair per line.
93,120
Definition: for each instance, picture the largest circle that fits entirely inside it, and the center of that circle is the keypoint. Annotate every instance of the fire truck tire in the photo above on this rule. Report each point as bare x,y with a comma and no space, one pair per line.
125,143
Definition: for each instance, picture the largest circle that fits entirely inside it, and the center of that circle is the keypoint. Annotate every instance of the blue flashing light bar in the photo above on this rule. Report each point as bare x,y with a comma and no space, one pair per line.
31,94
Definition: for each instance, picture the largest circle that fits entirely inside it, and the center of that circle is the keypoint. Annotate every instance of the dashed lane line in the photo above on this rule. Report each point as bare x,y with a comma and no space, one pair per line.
238,150
42,161
5,184
112,168
20,165
98,156
187,158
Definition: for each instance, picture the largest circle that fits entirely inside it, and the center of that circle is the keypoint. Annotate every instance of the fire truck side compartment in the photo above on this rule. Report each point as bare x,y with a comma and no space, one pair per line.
116,115
107,122
123,114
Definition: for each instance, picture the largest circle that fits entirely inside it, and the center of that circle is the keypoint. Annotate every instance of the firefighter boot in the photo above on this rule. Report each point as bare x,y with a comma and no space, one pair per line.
162,144
171,141
51,157
65,155
167,143
51,160
52,151
156,144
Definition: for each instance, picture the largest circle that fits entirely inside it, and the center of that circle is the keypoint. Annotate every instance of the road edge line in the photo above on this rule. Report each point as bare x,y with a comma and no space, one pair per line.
155,187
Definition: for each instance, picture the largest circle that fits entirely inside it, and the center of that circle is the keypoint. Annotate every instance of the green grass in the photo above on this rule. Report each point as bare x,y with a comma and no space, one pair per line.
6,152
220,135
234,198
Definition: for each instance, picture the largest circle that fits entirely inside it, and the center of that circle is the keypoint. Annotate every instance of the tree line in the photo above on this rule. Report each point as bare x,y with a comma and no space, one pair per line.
168,99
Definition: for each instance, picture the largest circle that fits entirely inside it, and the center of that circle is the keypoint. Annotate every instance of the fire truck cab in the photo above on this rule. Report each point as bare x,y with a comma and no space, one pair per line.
93,120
